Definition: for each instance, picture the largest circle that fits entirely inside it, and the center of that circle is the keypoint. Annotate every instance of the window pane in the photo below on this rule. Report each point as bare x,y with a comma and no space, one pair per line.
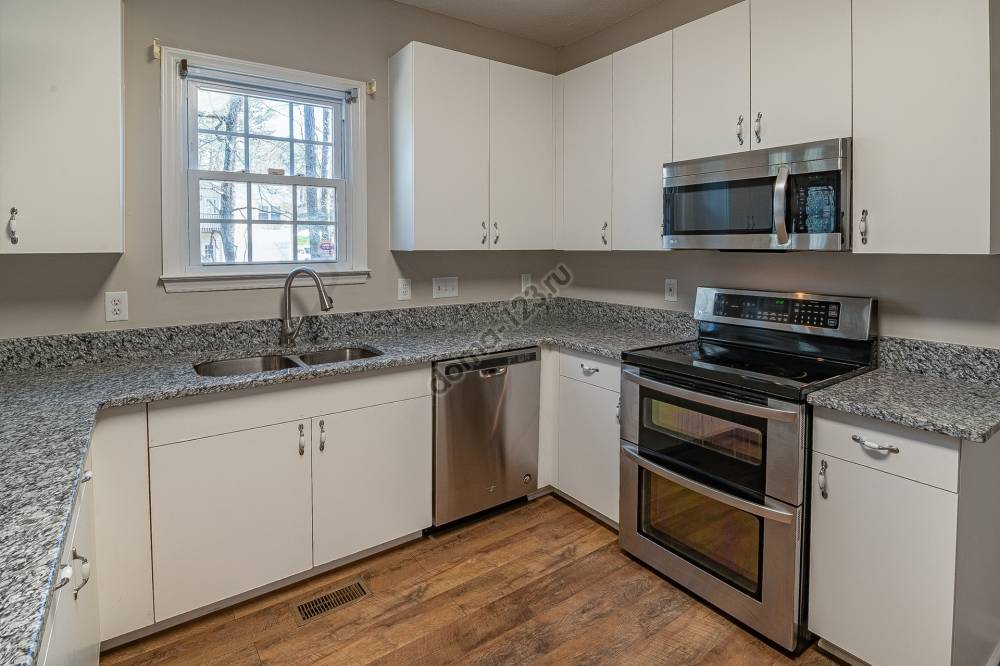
223,200
316,204
268,117
223,243
313,160
220,152
316,242
313,123
220,111
272,242
267,154
271,202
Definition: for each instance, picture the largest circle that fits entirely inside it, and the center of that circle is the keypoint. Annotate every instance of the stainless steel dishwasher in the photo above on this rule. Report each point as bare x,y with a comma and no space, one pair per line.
485,432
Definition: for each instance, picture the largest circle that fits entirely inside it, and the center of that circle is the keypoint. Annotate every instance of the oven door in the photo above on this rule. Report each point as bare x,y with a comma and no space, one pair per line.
740,555
737,442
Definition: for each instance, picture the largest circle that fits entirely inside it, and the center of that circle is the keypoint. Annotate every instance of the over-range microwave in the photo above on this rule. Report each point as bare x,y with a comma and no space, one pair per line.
790,198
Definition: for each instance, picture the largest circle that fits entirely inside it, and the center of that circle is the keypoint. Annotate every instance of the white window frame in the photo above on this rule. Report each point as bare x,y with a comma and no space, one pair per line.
182,267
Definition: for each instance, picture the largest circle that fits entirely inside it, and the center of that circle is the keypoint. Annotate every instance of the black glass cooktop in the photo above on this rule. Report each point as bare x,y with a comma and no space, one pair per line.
789,375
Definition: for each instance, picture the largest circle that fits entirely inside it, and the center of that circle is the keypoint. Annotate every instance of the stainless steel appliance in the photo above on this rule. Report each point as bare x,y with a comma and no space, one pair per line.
714,447
791,198
485,432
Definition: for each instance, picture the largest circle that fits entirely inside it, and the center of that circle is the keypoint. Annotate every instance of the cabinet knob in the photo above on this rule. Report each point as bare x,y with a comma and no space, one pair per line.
84,572
12,226
302,440
322,435
756,126
863,227
739,129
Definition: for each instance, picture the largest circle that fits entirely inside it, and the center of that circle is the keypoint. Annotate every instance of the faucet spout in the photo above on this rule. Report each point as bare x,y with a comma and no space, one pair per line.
289,327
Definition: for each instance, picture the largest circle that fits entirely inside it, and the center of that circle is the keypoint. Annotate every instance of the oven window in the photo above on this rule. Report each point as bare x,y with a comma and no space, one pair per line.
722,540
734,440
730,207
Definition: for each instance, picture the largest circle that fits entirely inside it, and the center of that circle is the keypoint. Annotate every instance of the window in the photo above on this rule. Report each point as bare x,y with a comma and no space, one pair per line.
263,170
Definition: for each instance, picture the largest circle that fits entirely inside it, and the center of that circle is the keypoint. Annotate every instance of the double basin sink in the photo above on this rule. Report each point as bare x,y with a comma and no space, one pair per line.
254,364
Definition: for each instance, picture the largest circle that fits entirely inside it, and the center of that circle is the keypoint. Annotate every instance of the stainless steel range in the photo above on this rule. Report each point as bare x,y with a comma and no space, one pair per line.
715,447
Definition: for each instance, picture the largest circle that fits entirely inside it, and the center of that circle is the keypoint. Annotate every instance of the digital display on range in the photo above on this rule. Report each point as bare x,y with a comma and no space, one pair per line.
801,312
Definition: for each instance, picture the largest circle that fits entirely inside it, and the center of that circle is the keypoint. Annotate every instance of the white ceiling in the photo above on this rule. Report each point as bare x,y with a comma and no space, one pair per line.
552,22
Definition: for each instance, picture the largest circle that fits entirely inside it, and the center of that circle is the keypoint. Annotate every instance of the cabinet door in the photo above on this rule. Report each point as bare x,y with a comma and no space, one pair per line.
371,477
522,159
800,71
921,126
61,125
642,141
72,634
588,445
882,564
229,513
586,214
451,151
712,84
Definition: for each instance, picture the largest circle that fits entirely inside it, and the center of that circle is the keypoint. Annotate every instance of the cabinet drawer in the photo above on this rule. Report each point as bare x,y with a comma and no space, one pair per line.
922,456
591,369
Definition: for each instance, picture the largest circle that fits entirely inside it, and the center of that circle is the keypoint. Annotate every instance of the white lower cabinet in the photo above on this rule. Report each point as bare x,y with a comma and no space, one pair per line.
589,445
229,513
882,566
371,479
72,633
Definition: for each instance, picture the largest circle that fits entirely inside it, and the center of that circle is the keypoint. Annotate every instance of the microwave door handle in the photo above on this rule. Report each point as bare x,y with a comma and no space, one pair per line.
628,374
780,205
766,511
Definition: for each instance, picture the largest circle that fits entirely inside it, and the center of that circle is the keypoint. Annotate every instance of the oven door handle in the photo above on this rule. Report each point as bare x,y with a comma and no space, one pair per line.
767,512
771,413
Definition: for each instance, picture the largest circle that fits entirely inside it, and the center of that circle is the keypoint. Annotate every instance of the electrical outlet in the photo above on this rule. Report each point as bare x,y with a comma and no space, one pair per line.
403,289
525,282
670,290
444,287
116,306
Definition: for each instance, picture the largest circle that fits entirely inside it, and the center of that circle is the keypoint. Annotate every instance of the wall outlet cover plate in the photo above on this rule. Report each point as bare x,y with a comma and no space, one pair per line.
116,306
404,289
445,287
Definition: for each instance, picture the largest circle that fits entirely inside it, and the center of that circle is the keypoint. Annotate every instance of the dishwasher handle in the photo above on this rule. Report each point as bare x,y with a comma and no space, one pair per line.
489,373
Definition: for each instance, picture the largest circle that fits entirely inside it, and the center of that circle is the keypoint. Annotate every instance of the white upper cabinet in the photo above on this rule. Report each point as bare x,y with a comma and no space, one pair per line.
440,145
586,158
712,84
800,71
61,126
522,159
922,127
642,141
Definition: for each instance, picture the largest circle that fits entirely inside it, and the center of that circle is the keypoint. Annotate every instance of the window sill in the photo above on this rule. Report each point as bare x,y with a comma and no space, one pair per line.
188,283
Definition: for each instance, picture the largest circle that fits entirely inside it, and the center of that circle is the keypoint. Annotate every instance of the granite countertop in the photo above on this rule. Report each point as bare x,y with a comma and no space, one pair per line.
48,415
969,410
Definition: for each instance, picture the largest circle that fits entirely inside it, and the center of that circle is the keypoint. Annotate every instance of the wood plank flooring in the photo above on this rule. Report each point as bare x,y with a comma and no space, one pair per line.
541,583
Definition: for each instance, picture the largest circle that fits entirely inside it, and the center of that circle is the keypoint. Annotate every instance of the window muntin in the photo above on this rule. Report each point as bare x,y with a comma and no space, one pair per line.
266,176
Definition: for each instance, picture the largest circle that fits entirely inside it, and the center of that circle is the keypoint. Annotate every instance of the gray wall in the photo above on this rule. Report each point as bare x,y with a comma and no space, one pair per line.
350,38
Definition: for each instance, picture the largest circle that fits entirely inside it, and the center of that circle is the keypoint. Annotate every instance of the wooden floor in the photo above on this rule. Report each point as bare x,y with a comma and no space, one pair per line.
541,583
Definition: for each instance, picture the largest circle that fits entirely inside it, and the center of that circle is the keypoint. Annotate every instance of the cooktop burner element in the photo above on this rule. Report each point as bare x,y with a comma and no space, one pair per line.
784,344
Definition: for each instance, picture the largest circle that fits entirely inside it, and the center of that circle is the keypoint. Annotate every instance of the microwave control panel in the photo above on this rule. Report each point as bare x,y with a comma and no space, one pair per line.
798,312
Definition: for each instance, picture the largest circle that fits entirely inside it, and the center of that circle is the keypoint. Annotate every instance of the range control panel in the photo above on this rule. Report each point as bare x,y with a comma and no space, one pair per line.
801,312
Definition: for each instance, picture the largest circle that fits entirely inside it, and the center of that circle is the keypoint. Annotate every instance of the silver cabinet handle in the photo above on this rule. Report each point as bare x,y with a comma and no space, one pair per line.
618,412
863,228
822,478
871,446
302,440
87,476
779,204
486,234
84,572
756,126
496,232
604,233
65,576
322,435
588,369
12,226
739,129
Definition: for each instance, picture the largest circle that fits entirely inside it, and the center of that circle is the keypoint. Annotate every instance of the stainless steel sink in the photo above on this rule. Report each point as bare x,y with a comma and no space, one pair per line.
254,364
337,355
245,366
